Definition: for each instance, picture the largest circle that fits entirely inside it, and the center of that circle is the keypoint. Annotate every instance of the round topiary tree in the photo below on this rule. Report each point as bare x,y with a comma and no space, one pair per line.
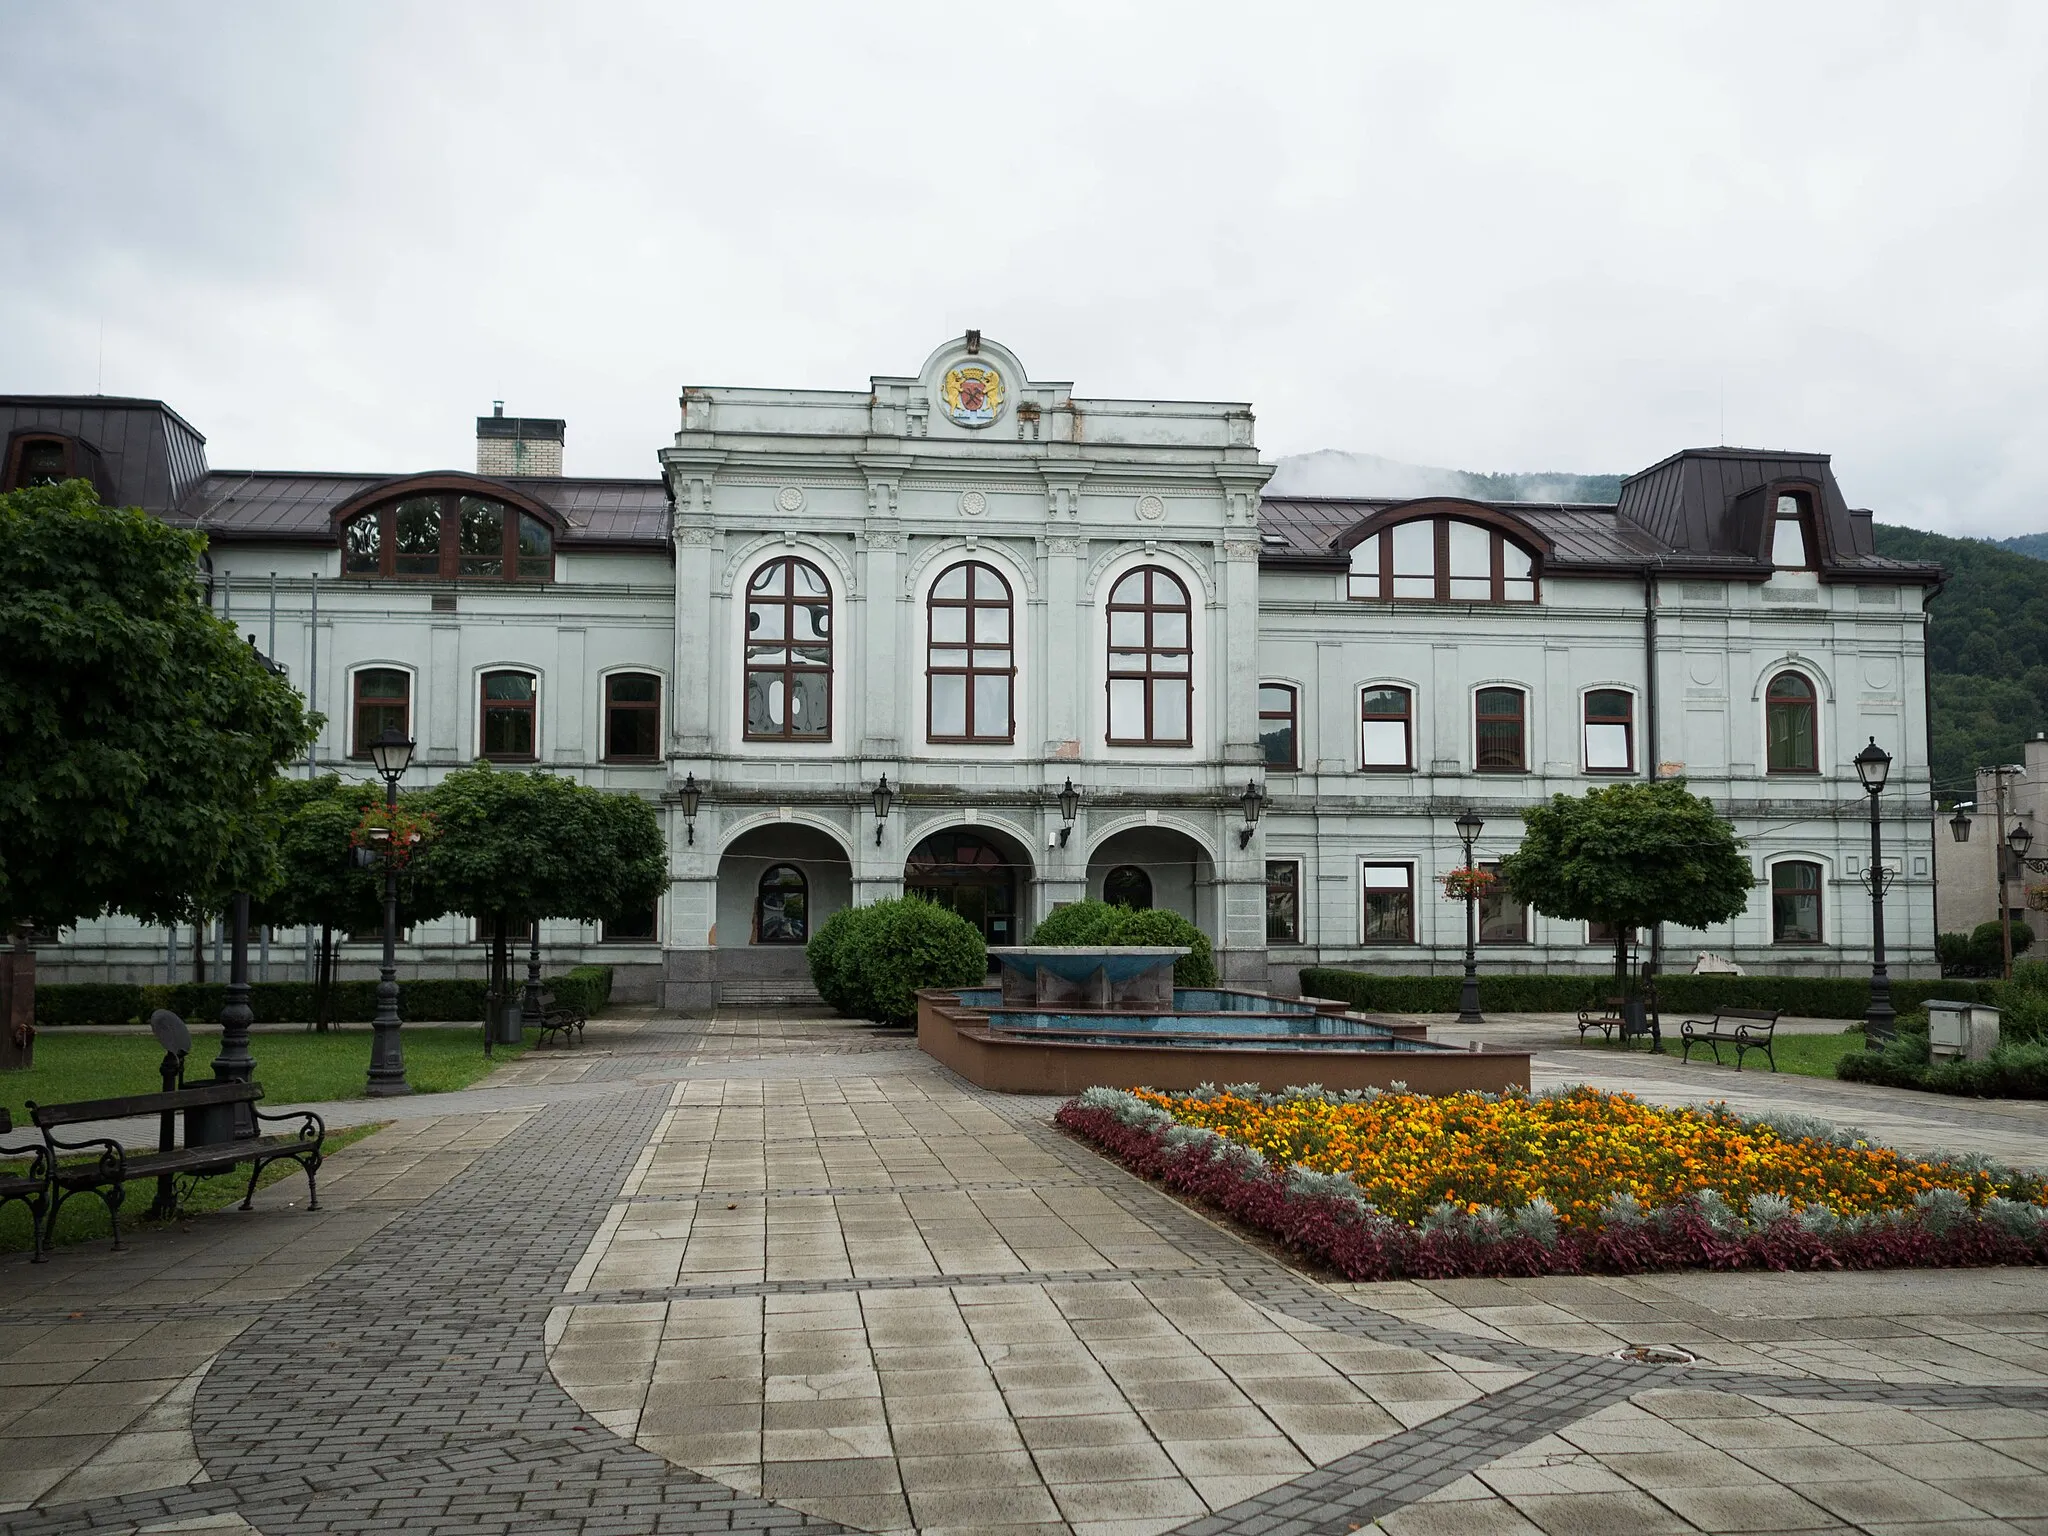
869,962
1987,950
1099,922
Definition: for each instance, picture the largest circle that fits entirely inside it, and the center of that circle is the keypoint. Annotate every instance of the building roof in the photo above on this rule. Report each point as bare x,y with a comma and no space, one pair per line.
151,457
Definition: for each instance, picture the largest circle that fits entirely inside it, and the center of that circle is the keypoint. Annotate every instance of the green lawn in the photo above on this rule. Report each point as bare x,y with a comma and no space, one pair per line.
1804,1055
294,1068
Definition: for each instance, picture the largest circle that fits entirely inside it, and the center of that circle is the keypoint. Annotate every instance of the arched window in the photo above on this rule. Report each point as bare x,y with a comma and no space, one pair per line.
448,536
36,459
1279,726
1442,560
789,653
1795,902
1150,659
508,717
1791,743
782,904
1127,886
969,657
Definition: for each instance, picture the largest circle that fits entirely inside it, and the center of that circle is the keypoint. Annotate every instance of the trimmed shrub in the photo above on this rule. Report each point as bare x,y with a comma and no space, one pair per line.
869,962
588,987
1813,997
88,1002
1988,953
435,999
1099,922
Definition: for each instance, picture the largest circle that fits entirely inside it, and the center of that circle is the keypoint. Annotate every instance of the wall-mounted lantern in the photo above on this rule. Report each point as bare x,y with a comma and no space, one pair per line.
884,798
692,797
1959,824
1254,800
1070,807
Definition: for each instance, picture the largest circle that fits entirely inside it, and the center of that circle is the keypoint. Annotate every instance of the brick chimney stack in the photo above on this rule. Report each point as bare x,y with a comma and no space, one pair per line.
518,445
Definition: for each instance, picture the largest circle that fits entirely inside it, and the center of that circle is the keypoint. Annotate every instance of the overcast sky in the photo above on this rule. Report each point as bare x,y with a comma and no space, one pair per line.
1524,237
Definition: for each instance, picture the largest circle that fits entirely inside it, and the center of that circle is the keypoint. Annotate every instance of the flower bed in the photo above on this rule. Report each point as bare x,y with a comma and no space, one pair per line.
1381,1186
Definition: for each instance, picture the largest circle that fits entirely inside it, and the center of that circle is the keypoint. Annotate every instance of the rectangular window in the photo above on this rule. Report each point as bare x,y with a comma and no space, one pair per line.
1283,901
1795,902
1610,731
1384,737
1603,934
1415,559
508,717
1499,735
1277,726
1502,919
629,928
632,717
1788,536
1389,915
383,702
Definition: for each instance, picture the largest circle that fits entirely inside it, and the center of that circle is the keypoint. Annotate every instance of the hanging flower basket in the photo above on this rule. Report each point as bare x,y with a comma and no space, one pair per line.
396,835
1476,883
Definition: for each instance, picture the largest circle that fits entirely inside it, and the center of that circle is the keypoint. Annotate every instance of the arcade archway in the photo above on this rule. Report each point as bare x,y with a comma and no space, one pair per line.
981,877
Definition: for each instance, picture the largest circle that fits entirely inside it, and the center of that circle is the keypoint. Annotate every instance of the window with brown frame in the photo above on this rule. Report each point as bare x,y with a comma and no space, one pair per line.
383,701
1283,901
1278,726
1151,657
1498,727
1790,743
1610,730
632,717
1795,902
37,460
1442,560
628,927
1388,915
782,906
789,653
508,724
449,536
1502,919
1792,533
1386,735
970,666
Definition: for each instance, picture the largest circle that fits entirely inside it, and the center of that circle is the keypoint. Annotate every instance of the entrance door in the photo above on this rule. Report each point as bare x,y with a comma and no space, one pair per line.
972,877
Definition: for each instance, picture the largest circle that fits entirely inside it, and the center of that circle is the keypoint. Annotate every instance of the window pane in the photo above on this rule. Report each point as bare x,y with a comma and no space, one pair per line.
992,626
949,704
1169,710
806,580
1415,586
1169,661
1167,592
418,526
952,584
1170,629
1283,903
510,686
1471,551
1415,550
508,732
1515,561
991,661
810,621
807,704
1607,746
382,684
992,706
634,687
1471,589
949,626
1502,920
1383,744
988,586
949,658
1515,591
1127,661
1126,628
481,537
1276,740
631,732
1789,728
770,578
1127,886
535,542
1275,701
1129,590
1790,685
764,703
1795,903
1389,908
1500,701
1788,544
765,621
362,545
1127,708
1387,701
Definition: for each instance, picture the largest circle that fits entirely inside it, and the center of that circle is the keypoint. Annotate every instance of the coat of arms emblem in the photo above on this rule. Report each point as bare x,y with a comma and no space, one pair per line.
973,396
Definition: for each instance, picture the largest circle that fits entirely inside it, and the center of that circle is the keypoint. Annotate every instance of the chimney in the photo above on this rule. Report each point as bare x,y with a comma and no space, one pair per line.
518,445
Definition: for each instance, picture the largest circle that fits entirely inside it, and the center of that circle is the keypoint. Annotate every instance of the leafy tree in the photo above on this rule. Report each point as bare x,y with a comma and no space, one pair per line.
513,848
137,731
320,883
1633,855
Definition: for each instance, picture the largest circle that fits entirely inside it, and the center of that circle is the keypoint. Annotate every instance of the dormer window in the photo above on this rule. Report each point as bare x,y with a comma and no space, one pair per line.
450,536
1442,560
38,461
1790,548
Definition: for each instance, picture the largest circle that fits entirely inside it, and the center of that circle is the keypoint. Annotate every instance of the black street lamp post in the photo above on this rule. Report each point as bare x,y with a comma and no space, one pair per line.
530,1013
392,753
1469,825
1873,767
234,1064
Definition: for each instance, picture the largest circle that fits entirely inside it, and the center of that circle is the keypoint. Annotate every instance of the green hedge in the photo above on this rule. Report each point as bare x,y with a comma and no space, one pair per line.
1101,922
439,998
869,962
1813,997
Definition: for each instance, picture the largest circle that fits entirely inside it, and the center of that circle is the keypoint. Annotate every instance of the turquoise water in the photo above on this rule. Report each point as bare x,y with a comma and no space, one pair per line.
1185,1000
1263,1026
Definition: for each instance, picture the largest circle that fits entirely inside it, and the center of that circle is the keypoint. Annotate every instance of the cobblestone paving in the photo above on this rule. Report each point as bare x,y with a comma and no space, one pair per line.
777,1274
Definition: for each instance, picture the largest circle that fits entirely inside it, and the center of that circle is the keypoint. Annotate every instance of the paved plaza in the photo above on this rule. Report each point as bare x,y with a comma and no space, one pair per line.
777,1273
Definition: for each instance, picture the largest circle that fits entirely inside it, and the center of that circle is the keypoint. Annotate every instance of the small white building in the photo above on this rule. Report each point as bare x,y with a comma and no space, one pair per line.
1005,602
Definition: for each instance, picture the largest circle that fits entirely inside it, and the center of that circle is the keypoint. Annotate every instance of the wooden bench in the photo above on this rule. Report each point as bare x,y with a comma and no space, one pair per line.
1746,1029
1608,1017
222,1127
31,1186
560,1019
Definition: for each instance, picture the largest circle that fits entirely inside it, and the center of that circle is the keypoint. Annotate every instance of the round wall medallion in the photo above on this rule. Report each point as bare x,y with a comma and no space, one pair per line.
1151,508
973,503
790,498
1877,673
972,396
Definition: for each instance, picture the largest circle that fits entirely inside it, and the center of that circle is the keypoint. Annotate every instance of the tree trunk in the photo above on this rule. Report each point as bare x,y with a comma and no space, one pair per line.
18,1005
323,981
1623,982
199,952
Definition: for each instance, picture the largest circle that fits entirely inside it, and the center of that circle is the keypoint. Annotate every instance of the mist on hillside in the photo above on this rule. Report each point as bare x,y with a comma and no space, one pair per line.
1335,472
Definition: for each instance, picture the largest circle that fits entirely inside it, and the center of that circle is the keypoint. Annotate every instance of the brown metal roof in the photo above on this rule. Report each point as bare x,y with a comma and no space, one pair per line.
152,456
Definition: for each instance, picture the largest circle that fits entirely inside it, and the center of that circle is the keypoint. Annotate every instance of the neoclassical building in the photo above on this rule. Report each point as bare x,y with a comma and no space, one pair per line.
962,632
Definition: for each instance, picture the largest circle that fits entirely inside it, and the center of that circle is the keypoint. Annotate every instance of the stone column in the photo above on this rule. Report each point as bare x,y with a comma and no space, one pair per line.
692,683
1241,879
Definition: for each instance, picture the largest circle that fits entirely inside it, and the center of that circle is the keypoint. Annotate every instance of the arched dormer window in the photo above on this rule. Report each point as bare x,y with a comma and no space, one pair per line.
38,458
1442,560
1792,544
447,534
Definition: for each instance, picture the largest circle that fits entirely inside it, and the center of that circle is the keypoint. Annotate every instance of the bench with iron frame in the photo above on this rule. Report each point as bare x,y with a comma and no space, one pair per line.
223,1128
31,1186
1746,1029
1610,1017
560,1019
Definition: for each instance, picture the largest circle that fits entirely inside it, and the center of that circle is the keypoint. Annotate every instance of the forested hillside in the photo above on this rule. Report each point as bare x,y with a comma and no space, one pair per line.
2035,544
1987,639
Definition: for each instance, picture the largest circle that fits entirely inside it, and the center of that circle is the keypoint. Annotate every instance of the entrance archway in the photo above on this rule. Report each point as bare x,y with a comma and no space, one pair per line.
1155,866
974,876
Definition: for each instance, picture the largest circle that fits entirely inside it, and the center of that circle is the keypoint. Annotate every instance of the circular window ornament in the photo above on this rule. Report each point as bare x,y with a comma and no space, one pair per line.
972,396
973,503
1151,508
790,498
